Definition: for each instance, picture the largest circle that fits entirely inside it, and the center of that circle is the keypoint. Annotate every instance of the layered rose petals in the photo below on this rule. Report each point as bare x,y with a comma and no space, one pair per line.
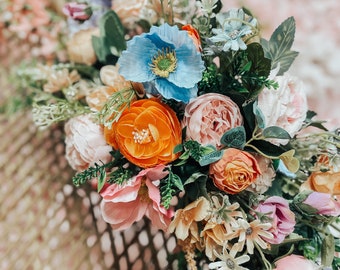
146,133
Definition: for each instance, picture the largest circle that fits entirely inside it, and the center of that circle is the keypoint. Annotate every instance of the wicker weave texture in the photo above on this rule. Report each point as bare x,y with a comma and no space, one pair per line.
47,223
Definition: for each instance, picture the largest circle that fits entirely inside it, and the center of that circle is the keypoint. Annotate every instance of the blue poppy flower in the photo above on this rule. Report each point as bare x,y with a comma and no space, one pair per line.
234,26
167,57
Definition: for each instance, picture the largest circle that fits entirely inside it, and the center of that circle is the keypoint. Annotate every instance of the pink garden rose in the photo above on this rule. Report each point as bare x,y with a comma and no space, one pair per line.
324,203
285,107
85,143
282,218
77,11
209,116
122,205
295,262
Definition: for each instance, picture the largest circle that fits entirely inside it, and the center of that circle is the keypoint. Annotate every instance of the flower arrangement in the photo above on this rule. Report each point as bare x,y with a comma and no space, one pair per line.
180,112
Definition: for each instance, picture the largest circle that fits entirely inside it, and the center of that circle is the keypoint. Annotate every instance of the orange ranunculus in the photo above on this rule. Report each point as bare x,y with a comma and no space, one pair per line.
146,133
325,182
235,171
193,33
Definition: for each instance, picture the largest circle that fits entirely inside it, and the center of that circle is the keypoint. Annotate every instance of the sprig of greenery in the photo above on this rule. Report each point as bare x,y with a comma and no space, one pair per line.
169,187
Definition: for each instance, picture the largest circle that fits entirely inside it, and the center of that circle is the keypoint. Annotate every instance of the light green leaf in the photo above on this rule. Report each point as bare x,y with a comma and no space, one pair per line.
259,116
327,250
211,158
101,180
235,137
275,132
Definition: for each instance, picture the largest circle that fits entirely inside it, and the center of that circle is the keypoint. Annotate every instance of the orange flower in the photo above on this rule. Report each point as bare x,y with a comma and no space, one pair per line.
193,33
146,133
235,171
325,182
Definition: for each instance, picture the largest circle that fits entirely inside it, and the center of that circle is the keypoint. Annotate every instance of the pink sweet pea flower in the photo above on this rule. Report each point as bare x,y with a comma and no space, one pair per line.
324,203
122,205
282,218
295,262
77,11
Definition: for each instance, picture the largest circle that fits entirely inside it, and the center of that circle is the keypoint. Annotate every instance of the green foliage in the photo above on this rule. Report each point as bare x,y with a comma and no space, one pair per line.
111,42
169,187
192,149
234,138
278,48
92,172
275,132
309,122
327,250
210,80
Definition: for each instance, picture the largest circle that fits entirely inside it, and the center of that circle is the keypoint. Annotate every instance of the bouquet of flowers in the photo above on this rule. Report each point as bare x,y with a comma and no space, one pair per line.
180,112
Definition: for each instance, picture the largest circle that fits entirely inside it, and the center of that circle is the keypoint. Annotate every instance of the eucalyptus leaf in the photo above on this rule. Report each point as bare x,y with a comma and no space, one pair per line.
235,137
278,48
275,132
195,177
259,116
210,158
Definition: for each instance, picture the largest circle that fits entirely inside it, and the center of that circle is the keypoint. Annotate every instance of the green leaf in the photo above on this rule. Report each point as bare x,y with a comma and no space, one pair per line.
210,158
259,116
111,42
279,45
235,137
327,250
101,180
275,132
194,177
178,148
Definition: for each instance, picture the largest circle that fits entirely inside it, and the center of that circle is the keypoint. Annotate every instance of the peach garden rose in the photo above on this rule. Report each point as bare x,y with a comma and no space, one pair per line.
146,133
209,116
235,171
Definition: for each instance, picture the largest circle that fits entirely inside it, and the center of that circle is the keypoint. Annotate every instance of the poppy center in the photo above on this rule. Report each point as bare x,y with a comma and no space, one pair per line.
164,62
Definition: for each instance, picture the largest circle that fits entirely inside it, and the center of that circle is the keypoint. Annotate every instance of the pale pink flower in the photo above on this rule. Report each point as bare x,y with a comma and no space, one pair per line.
129,11
77,11
295,262
285,107
122,205
324,203
209,116
85,143
282,218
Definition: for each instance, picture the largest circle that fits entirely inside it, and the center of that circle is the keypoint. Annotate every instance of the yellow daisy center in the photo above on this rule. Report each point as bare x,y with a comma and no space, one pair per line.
164,62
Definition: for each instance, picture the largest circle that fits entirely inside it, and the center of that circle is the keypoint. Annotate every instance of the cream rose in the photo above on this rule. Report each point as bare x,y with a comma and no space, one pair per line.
209,116
285,107
80,49
85,143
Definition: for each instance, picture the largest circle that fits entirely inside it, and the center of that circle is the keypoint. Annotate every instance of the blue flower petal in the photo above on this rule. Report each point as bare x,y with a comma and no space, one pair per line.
171,91
135,61
189,67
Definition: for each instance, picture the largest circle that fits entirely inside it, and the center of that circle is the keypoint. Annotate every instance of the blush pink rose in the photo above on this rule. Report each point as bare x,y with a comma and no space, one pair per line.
85,143
209,116
282,218
77,11
295,262
324,203
122,205
285,107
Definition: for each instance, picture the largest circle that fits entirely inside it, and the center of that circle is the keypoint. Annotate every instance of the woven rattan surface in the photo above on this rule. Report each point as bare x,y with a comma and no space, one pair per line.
46,223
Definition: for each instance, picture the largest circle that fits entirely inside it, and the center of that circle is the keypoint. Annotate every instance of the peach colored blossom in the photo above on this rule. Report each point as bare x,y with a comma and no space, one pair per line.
80,49
285,107
85,143
110,76
129,11
326,182
295,262
235,171
122,205
282,218
209,116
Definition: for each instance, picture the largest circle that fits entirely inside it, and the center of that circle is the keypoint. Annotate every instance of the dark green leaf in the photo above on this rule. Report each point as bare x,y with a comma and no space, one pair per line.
278,49
275,132
235,137
178,148
210,158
